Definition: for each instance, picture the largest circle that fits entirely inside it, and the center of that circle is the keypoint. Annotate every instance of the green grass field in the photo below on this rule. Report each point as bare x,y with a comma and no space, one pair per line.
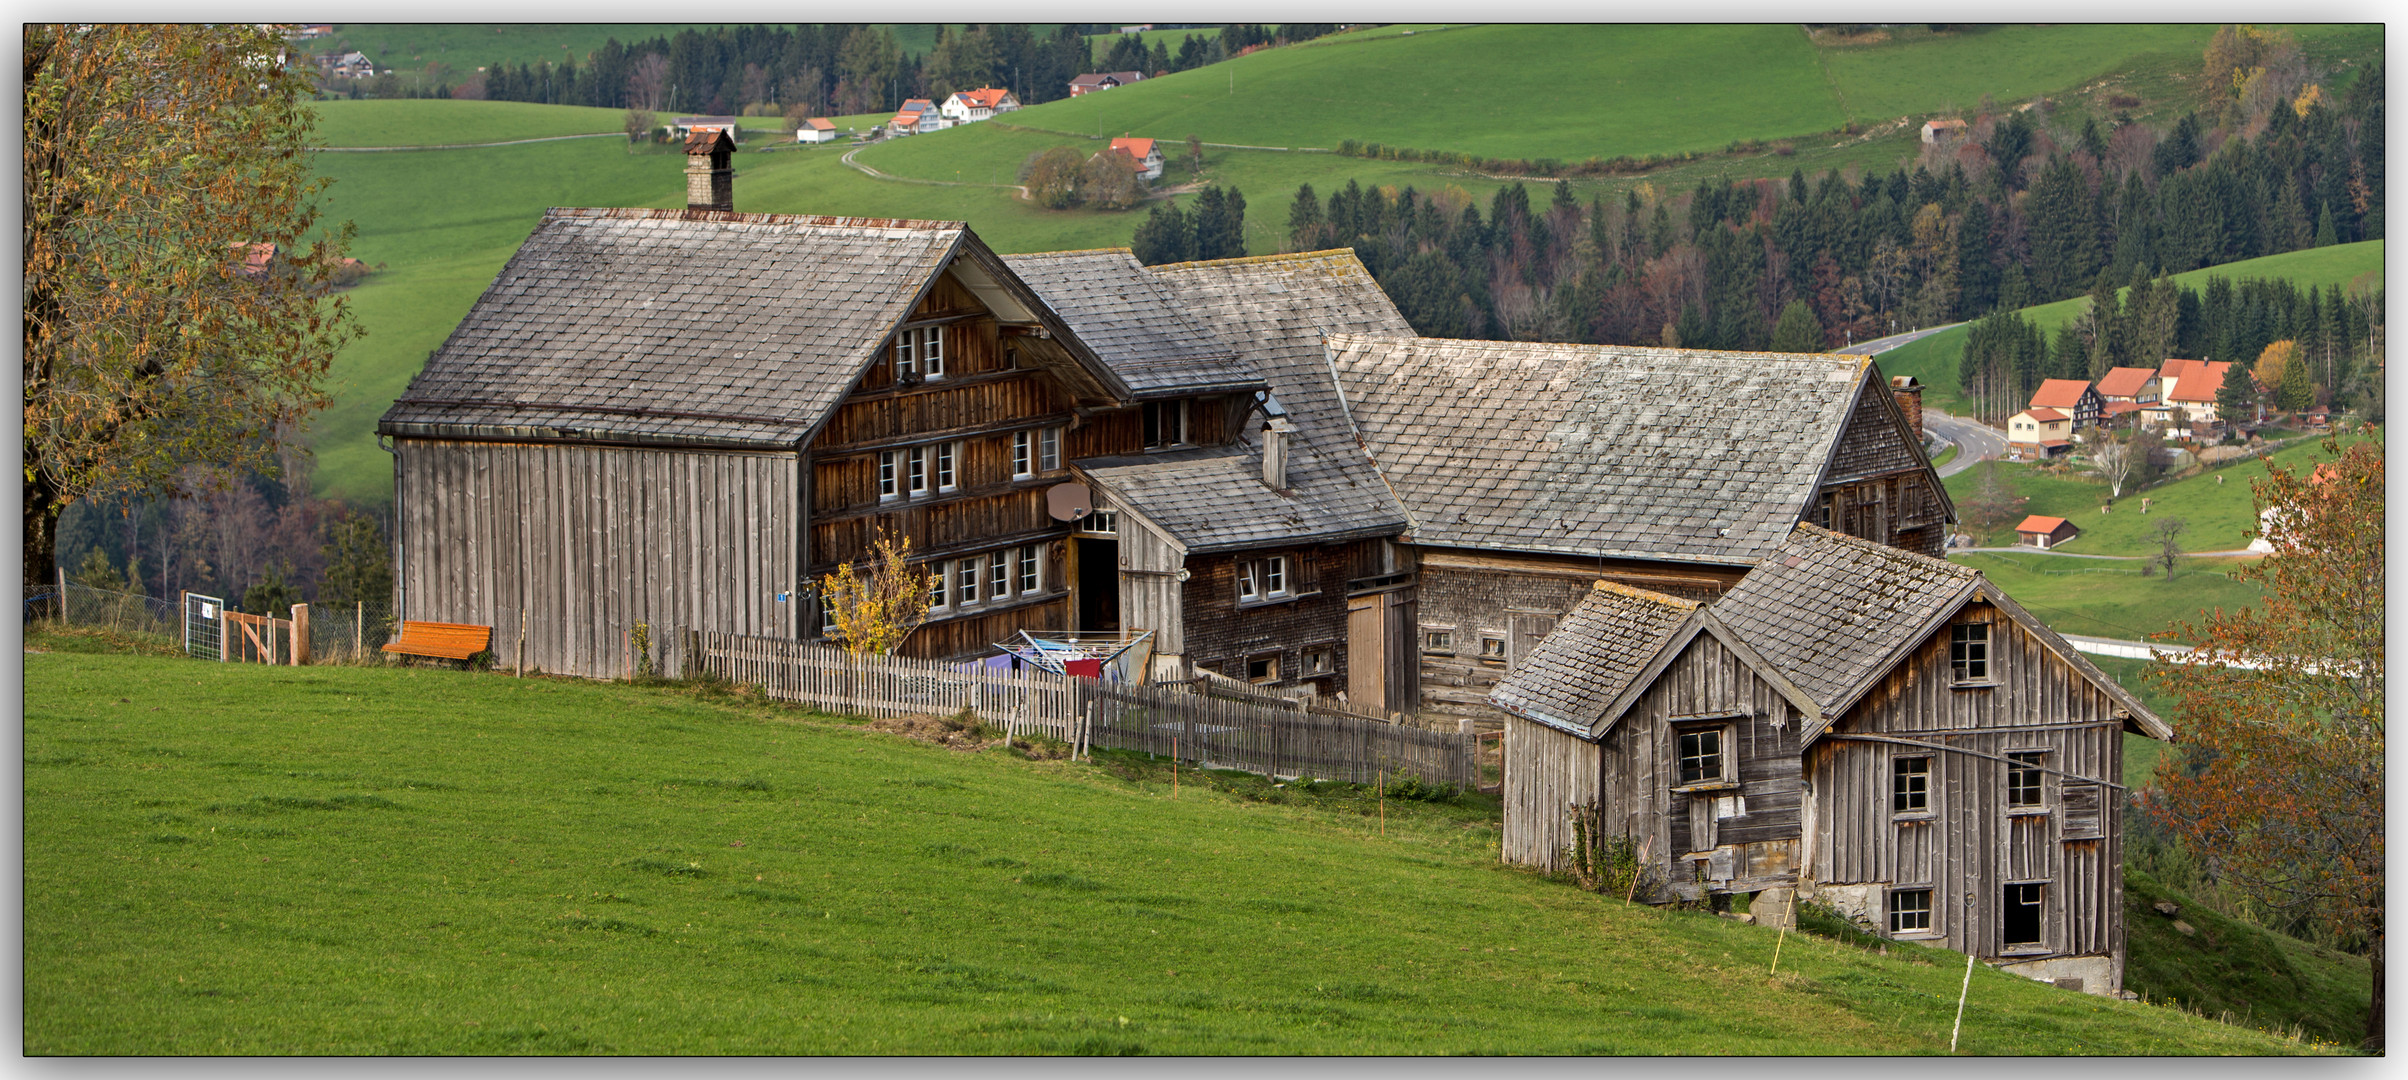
328,860
2218,516
465,47
2229,968
424,122
1934,359
2109,599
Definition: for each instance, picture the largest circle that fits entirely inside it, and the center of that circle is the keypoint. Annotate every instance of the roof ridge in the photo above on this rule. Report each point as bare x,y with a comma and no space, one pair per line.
639,213
1646,595
1245,260
1073,251
1814,530
1485,345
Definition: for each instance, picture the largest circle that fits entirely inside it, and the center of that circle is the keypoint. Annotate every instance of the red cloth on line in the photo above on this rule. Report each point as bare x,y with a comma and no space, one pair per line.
1090,668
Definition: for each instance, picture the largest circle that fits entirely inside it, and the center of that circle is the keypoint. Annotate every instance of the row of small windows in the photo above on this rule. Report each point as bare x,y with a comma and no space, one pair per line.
1441,640
975,581
2020,908
1910,782
917,472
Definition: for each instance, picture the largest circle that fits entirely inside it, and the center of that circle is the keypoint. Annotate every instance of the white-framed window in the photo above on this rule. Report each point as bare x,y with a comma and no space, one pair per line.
1164,423
1049,449
1024,454
938,585
1101,522
1032,568
920,351
1969,652
947,472
827,619
890,479
1910,911
999,574
967,571
1263,579
917,460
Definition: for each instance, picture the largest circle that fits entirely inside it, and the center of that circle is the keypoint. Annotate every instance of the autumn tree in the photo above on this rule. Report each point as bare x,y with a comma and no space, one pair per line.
2111,460
2280,709
1052,177
878,604
2168,538
176,277
1109,181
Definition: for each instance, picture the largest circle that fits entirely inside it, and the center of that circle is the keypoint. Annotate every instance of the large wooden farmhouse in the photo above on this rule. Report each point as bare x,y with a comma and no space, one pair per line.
1884,732
1531,470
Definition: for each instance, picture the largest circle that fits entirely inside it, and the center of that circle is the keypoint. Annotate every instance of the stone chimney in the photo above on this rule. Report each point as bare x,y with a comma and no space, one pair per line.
710,182
1275,452
1910,401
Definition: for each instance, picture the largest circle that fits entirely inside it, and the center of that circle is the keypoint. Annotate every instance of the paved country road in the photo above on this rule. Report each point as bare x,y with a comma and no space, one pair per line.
1975,441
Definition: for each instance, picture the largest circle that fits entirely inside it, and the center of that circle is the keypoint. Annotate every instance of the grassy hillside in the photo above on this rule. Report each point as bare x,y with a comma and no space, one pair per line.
244,859
1934,359
2218,516
2243,973
2108,599
424,122
465,47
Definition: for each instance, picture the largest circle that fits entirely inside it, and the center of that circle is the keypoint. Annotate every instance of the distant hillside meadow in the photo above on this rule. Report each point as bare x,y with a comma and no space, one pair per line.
441,223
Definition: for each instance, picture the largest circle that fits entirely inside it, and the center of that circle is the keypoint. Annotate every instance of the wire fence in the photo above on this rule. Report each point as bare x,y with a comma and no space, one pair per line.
338,633
349,633
126,613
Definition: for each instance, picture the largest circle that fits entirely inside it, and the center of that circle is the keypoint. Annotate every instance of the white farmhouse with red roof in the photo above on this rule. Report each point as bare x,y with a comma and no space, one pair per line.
1144,156
2045,532
970,106
2039,432
2073,397
2188,386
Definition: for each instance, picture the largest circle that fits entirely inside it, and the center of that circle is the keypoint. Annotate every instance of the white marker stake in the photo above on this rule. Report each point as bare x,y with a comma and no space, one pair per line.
1960,1020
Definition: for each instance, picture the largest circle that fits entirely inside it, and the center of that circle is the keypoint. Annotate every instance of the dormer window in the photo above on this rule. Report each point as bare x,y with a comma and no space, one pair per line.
1165,423
920,353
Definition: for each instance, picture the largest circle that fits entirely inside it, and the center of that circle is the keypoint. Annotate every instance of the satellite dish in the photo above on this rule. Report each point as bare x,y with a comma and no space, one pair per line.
1068,502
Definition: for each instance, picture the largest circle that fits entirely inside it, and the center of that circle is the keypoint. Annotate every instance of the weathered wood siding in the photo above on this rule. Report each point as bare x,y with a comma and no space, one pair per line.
1753,850
1972,844
1472,595
1547,773
1221,634
1877,485
1150,592
590,540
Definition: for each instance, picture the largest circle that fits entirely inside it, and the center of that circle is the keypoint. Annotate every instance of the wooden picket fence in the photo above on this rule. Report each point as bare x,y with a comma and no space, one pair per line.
1264,735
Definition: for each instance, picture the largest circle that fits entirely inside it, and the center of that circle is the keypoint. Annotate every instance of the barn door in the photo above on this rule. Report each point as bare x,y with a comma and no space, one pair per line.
1367,652
1527,631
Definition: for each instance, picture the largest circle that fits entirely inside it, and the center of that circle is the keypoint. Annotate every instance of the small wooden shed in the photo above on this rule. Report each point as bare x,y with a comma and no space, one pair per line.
2045,532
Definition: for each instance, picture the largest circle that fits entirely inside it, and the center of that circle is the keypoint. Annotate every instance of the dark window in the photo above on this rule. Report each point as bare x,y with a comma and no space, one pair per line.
2022,917
1701,756
1438,641
1910,910
1317,661
1492,647
1262,669
1969,651
1165,422
2023,779
1910,785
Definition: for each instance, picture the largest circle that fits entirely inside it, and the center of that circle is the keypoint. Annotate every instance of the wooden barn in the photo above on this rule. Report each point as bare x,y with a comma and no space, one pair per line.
593,449
1886,733
1253,537
1531,470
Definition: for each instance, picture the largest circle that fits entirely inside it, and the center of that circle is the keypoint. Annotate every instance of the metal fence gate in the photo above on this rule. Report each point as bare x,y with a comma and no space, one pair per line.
204,626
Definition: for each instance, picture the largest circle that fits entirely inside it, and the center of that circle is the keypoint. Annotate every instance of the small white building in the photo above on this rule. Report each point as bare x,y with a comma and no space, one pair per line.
815,130
971,106
1143,154
2039,432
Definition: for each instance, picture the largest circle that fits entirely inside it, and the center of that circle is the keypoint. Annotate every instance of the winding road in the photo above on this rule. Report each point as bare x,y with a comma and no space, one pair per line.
1975,441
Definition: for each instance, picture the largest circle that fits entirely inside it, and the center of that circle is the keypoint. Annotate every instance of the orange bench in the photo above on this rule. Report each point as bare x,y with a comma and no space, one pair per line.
449,641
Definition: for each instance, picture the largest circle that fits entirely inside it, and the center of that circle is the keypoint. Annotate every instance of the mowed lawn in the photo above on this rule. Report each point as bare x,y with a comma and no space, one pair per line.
2111,599
1934,359
329,860
1559,91
425,122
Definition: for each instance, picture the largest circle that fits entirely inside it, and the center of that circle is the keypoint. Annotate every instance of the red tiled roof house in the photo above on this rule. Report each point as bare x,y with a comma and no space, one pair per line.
2039,432
2073,397
2045,532
1144,156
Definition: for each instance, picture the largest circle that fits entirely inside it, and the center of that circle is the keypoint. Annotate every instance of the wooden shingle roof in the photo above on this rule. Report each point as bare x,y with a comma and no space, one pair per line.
612,324
1275,311
1131,321
1614,451
1593,658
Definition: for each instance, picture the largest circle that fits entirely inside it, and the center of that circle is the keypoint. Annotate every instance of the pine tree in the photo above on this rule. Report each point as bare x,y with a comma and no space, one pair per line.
1166,236
2325,236
1307,231
2236,400
1797,332
2298,391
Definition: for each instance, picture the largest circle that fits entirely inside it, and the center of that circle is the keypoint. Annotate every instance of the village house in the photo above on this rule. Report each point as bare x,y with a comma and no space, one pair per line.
1871,729
1531,470
1142,155
1093,82
589,451
2076,398
349,65
2186,393
1936,132
2125,392
815,130
686,126
2039,432
2045,532
971,106
1252,536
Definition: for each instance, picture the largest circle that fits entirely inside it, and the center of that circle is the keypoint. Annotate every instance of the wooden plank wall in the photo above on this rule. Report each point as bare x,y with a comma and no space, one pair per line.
1150,591
1973,843
593,539
1547,773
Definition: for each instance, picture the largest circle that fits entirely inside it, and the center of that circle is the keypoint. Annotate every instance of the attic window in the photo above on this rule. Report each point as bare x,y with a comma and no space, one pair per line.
1702,758
920,352
1969,653
1165,423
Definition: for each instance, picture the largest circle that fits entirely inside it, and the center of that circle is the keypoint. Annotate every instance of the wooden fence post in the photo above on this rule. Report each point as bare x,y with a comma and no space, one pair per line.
62,569
522,644
300,634
359,628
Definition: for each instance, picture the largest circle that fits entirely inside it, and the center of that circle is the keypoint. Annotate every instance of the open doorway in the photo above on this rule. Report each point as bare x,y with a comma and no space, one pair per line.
1099,585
